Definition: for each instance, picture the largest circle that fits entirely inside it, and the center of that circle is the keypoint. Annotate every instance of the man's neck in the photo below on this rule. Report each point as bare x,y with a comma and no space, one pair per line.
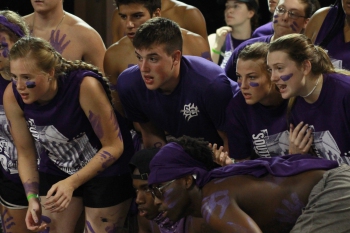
48,19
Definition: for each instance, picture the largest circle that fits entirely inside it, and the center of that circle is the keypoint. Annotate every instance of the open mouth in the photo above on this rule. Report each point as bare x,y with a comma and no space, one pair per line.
281,87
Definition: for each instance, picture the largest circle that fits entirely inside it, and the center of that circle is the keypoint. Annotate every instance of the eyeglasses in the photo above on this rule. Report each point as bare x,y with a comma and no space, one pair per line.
157,191
291,14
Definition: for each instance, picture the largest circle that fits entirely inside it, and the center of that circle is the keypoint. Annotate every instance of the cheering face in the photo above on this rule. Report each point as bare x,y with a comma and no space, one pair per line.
254,81
158,69
144,198
237,13
172,199
289,17
289,78
32,84
5,47
133,15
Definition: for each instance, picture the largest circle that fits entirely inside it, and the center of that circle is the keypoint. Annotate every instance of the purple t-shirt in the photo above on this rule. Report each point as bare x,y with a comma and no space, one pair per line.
63,129
338,49
230,45
195,108
230,68
8,152
256,127
329,116
264,30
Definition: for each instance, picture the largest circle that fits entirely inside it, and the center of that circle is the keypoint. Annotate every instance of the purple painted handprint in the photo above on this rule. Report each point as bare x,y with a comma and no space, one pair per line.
58,43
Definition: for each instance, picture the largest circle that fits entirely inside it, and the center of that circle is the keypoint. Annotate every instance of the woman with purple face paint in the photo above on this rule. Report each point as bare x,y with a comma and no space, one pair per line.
290,16
292,193
13,199
66,107
241,17
319,108
256,123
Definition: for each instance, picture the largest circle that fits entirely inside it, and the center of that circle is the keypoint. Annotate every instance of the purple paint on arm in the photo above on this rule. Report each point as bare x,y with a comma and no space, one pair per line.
89,227
253,84
206,55
116,125
95,121
30,84
286,77
107,159
58,43
31,187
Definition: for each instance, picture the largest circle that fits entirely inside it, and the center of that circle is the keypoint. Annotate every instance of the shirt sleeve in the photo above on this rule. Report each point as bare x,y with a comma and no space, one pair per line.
129,95
217,96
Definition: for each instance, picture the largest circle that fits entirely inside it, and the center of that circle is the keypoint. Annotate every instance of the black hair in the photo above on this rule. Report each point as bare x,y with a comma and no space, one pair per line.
150,5
198,149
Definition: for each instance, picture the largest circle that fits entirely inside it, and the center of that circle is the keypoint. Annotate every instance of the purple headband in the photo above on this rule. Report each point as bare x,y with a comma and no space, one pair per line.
13,27
172,162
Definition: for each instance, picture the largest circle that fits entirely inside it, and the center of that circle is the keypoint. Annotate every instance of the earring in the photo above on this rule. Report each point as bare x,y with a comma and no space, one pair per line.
50,79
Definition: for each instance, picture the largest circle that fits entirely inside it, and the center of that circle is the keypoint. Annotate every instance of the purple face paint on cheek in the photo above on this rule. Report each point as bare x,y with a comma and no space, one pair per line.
14,82
253,84
239,84
275,19
30,84
286,77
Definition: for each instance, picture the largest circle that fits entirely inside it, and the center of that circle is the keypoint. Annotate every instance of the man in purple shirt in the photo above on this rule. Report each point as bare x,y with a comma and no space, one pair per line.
293,193
168,92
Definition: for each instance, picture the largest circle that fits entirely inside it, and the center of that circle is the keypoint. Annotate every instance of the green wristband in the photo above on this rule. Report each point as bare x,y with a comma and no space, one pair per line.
216,51
32,195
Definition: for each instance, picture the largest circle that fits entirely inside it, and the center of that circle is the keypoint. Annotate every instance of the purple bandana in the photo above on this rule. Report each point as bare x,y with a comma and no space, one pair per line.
172,162
13,27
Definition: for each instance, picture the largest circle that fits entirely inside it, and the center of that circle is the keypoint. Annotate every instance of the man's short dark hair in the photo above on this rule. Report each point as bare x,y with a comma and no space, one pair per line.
159,31
150,5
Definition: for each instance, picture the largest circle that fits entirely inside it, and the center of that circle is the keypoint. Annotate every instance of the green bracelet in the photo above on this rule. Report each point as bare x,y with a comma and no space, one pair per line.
216,51
32,195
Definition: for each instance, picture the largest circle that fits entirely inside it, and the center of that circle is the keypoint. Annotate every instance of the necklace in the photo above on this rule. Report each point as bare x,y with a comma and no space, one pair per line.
313,89
64,15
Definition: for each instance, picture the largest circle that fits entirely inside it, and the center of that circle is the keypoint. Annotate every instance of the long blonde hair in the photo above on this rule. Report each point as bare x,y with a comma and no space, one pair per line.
47,58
